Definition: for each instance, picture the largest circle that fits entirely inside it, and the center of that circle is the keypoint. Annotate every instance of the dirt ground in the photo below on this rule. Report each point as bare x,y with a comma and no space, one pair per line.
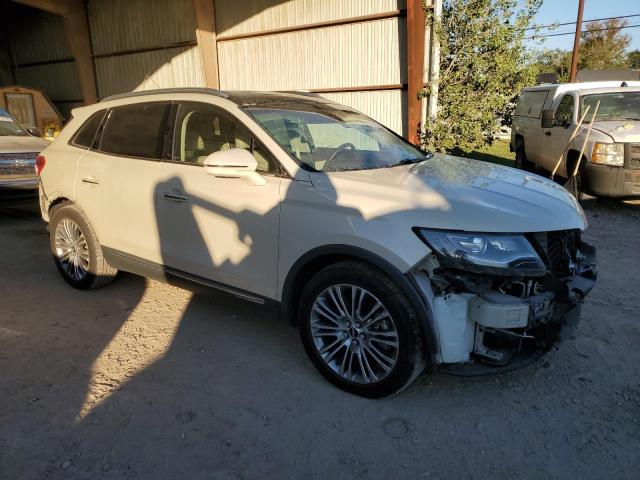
144,380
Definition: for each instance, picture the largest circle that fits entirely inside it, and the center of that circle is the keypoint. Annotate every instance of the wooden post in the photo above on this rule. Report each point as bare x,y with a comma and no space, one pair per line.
77,28
415,68
576,43
206,36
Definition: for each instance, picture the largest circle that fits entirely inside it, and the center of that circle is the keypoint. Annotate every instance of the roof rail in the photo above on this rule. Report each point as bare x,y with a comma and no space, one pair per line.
142,93
305,93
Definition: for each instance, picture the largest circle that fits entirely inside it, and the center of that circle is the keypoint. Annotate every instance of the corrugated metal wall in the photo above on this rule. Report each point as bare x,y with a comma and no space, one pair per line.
171,67
360,54
41,58
387,106
351,56
123,25
260,15
140,44
146,44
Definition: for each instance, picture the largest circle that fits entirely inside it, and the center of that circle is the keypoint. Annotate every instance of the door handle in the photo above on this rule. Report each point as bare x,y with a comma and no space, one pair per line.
174,197
90,181
548,134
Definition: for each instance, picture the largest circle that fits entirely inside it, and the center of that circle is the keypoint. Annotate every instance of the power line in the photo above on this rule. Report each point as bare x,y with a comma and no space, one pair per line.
586,21
583,31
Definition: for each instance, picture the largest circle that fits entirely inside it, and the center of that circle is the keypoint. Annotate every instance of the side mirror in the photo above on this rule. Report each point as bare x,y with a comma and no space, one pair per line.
35,131
548,119
234,163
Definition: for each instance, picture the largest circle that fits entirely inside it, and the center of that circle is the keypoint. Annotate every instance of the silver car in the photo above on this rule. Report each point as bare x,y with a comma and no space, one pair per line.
19,149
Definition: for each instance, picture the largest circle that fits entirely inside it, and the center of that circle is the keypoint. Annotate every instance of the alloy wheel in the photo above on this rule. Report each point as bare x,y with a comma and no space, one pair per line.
354,334
72,250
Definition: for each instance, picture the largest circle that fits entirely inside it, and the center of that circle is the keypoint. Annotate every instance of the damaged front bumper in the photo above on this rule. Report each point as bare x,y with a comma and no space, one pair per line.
489,325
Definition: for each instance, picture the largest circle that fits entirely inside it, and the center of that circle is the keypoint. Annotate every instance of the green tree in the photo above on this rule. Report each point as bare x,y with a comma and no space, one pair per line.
603,45
633,59
483,66
555,60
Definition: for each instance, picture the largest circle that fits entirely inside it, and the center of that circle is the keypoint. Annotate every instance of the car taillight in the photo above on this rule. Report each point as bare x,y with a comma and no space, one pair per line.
40,163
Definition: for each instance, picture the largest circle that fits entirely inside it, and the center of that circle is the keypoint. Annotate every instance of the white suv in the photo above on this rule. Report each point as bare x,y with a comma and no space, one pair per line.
388,259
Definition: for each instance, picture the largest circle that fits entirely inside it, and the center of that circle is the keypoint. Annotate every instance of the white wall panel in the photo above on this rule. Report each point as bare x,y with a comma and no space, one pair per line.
249,16
121,25
361,54
385,106
172,67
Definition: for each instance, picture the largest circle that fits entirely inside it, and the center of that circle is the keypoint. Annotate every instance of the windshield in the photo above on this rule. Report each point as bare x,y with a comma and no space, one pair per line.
613,106
9,127
327,138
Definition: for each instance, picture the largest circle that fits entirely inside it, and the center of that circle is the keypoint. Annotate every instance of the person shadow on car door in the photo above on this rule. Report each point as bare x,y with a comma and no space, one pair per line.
204,396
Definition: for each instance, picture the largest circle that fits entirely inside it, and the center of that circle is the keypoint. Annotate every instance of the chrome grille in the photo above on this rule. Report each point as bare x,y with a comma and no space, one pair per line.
17,164
19,156
634,156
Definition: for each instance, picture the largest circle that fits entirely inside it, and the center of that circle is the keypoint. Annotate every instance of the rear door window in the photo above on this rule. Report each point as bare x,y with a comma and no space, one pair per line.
134,130
86,134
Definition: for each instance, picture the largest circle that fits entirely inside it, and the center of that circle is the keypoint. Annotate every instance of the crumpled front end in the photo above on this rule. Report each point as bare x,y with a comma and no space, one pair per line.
486,323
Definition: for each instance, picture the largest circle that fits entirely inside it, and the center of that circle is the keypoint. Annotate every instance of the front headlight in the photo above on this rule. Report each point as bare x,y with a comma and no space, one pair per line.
608,154
494,253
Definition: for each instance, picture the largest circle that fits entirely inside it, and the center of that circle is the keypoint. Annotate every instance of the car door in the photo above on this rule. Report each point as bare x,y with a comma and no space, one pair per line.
554,139
218,229
116,178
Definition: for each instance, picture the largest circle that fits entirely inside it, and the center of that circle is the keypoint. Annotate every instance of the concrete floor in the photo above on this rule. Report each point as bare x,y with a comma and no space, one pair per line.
144,380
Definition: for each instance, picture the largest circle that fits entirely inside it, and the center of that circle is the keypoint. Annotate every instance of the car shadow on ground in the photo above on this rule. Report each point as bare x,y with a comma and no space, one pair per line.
144,380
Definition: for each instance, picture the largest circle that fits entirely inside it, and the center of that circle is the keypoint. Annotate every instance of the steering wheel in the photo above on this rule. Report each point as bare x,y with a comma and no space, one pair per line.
338,151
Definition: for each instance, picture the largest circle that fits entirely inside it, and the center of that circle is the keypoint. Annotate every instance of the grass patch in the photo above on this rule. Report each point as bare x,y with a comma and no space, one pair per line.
496,153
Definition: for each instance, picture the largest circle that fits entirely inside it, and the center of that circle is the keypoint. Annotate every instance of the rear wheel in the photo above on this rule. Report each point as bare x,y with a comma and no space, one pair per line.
360,331
521,160
76,250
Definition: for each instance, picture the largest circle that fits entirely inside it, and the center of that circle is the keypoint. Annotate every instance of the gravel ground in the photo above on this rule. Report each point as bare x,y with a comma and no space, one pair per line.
144,380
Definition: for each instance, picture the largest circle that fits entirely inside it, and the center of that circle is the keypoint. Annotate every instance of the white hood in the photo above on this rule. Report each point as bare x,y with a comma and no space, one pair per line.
21,144
620,130
453,193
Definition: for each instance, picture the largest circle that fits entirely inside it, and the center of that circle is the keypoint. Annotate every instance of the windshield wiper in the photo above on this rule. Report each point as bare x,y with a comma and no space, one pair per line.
408,161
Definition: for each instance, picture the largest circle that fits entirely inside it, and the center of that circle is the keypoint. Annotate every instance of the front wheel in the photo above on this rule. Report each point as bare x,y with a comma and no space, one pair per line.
360,331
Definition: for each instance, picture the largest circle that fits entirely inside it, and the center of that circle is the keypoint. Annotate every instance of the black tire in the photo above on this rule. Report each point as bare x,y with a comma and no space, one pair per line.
99,272
410,354
521,161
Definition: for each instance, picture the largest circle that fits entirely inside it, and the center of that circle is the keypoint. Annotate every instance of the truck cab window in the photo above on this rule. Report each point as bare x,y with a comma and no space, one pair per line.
564,113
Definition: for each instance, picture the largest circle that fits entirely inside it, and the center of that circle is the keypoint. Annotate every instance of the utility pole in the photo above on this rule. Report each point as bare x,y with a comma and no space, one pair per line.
576,43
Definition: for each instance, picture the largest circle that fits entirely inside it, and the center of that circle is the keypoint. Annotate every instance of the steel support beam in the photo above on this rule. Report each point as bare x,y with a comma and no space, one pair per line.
207,43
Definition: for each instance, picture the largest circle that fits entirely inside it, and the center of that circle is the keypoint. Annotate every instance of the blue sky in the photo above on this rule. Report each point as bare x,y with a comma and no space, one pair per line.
566,11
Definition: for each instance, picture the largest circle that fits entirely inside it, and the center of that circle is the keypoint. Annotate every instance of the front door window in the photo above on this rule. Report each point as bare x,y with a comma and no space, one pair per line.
202,129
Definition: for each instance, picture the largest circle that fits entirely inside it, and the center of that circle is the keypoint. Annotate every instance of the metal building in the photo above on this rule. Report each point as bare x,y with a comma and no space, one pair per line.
373,55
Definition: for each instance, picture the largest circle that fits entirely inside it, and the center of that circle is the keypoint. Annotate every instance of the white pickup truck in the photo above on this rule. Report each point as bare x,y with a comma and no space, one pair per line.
547,115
